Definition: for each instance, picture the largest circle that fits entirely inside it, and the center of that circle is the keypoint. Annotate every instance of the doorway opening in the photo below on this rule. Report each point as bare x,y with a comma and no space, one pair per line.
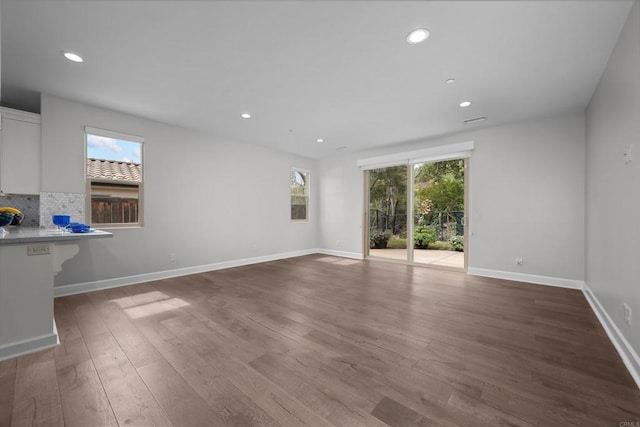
416,213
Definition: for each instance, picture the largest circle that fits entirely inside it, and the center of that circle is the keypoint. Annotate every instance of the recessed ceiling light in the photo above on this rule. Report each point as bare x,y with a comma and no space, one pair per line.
477,119
417,36
464,104
245,115
449,81
319,140
72,57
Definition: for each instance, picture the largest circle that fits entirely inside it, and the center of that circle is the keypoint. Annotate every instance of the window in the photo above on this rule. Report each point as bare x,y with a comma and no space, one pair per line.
114,177
299,195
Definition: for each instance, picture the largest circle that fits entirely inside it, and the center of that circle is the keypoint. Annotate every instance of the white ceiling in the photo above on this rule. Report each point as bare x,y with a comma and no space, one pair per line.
336,70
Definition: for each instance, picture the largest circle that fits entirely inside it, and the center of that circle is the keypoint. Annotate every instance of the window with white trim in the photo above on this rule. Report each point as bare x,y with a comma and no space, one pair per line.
299,184
114,178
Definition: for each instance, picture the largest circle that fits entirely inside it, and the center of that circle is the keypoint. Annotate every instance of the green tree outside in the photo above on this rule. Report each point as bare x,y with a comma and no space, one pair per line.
438,198
388,197
442,184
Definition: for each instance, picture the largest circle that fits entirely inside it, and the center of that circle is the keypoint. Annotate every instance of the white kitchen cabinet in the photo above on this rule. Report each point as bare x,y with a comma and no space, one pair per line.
20,152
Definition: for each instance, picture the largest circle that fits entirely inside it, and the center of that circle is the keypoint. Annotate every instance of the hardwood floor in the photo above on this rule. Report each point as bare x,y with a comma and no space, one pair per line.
322,341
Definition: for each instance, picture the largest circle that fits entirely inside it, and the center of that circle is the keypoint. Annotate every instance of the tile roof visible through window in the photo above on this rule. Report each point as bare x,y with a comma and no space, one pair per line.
113,170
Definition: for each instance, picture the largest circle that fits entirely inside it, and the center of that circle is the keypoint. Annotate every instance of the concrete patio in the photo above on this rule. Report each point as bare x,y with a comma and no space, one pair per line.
423,256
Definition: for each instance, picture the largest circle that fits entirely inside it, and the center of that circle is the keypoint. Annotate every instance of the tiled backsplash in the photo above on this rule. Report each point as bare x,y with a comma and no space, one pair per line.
38,209
28,204
61,204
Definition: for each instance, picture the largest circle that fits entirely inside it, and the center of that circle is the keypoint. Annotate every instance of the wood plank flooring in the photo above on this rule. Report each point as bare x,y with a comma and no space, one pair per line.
322,341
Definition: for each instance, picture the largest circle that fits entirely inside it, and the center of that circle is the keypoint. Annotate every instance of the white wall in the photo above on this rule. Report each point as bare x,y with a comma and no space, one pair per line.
613,187
341,189
526,197
207,199
0,53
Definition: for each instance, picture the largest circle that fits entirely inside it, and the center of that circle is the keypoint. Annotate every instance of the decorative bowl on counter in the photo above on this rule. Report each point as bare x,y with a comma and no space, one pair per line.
17,219
18,216
77,227
5,219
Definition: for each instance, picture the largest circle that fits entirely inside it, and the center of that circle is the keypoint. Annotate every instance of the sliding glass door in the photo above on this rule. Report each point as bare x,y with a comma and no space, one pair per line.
388,212
438,213
416,213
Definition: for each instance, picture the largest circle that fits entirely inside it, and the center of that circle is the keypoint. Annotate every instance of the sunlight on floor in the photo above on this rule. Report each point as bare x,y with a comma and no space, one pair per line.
140,299
328,259
155,308
337,260
149,303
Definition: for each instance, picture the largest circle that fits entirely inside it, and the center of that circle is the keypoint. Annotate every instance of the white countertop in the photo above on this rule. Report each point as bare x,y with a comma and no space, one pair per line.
18,235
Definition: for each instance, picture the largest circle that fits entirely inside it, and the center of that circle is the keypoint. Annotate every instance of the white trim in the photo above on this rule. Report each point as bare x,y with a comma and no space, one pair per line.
342,254
78,288
21,116
30,345
114,135
382,165
625,350
528,278
441,152
450,156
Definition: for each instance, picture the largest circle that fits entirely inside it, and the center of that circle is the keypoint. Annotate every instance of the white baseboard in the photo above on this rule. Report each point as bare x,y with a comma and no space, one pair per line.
528,278
78,288
31,345
626,352
342,254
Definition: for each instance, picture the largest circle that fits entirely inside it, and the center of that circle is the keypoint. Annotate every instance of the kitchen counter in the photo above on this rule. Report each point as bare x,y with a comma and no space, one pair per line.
34,235
29,260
